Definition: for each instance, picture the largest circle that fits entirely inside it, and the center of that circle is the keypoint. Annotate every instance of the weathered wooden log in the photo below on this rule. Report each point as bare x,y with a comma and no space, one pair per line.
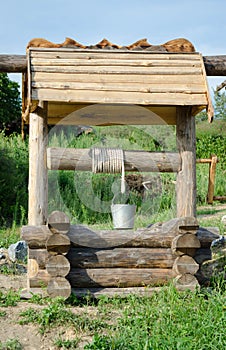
38,178
113,292
41,256
188,225
59,287
118,277
202,254
32,268
81,159
186,281
158,235
185,244
206,235
186,177
58,266
152,237
58,222
121,257
36,236
13,63
185,264
41,279
58,244
214,65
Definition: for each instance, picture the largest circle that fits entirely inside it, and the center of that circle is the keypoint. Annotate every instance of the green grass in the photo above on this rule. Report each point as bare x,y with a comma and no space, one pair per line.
167,320
11,344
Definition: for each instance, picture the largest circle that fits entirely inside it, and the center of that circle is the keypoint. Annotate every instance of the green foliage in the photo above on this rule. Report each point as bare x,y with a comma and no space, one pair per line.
67,344
11,344
10,104
13,179
55,313
10,298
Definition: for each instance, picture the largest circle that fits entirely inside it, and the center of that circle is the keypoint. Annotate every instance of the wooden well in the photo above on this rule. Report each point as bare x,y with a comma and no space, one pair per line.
117,87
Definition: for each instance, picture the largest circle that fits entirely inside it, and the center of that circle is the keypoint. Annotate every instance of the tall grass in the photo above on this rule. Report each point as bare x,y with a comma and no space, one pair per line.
13,179
86,197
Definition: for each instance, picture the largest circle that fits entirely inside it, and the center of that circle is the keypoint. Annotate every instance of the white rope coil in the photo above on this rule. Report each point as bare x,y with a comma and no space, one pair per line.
109,160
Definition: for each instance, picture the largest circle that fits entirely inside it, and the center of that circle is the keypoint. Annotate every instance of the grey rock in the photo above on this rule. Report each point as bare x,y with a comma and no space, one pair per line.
18,251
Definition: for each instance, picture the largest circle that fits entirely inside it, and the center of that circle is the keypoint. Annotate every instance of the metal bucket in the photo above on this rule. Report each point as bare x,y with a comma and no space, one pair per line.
123,215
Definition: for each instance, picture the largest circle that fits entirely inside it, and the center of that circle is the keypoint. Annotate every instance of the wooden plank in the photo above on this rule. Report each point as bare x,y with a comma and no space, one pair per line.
214,65
186,177
125,86
121,257
106,54
81,159
38,179
119,70
114,78
132,62
124,97
110,114
118,277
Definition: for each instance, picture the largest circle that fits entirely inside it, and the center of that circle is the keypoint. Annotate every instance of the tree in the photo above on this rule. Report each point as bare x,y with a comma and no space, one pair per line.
10,105
219,107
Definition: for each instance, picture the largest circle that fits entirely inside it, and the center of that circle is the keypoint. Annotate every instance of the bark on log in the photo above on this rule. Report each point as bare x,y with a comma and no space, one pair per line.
118,277
206,235
59,287
156,236
203,254
214,65
81,159
58,266
185,244
186,281
13,63
36,236
153,237
58,222
121,257
58,244
185,264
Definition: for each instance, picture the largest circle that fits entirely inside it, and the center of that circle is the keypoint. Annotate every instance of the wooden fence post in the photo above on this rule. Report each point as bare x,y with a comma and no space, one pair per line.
212,174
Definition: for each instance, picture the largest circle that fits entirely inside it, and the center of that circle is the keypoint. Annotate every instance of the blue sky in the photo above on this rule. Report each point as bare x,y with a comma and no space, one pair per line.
122,22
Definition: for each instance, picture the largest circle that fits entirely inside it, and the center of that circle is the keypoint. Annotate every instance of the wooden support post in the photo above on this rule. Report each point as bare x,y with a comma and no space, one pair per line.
212,173
186,178
38,188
